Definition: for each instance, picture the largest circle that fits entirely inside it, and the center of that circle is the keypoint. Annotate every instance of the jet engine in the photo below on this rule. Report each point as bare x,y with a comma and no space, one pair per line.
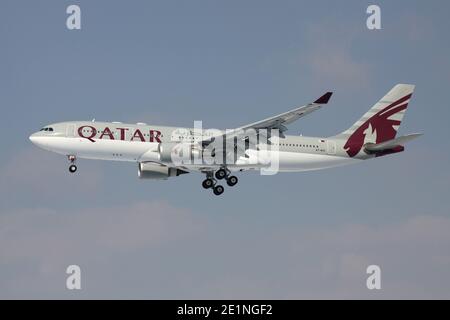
149,170
178,152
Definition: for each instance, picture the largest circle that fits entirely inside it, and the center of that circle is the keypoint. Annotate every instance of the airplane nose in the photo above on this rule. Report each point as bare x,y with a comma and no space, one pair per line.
33,138
37,140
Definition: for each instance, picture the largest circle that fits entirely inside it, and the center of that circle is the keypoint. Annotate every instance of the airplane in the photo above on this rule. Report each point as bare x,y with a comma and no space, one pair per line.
153,147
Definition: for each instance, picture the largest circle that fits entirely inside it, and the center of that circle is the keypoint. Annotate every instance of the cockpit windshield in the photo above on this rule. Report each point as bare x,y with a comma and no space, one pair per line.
47,129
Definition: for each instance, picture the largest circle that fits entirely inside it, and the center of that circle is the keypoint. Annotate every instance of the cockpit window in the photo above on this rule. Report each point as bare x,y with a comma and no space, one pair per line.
47,129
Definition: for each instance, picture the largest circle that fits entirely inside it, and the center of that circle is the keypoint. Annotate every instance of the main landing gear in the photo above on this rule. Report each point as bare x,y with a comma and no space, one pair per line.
72,167
211,180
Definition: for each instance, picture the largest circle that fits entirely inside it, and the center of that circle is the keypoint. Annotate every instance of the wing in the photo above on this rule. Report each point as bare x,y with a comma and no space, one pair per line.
280,121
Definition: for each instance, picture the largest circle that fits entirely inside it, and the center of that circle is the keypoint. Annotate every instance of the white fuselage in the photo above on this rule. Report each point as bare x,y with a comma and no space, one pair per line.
140,143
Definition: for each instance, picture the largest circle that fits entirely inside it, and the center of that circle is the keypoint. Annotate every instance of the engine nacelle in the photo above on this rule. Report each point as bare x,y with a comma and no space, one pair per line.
170,152
149,170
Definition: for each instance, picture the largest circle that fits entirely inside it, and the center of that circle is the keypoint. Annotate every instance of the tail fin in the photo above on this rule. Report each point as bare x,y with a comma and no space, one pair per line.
381,122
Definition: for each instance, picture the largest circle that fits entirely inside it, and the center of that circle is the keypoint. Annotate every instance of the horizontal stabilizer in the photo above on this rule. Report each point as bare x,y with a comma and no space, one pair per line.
390,144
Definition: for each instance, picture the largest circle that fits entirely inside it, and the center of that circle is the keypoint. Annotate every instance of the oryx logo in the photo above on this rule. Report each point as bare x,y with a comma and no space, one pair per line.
379,128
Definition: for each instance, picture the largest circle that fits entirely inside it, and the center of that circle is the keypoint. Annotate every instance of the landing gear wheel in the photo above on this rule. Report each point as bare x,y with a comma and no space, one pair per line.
218,190
72,168
208,183
220,174
232,181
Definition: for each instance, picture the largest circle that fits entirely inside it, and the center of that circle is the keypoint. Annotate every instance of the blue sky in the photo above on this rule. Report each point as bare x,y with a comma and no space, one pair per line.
227,63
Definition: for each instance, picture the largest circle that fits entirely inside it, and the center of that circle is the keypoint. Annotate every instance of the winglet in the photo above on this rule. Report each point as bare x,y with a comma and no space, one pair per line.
324,99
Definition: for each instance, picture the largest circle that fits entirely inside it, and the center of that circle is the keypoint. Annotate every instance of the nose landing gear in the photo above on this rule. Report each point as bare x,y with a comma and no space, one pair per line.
72,168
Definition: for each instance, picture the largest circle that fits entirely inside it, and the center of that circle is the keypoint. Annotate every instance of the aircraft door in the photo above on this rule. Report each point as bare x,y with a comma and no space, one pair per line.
331,147
70,130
